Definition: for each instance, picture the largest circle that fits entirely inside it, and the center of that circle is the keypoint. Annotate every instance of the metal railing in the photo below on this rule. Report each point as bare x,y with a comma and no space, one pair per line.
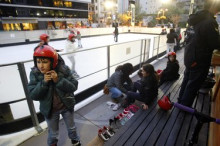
142,46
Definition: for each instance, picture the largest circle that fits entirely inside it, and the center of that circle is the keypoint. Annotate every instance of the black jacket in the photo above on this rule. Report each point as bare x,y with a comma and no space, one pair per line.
149,89
171,37
205,38
171,71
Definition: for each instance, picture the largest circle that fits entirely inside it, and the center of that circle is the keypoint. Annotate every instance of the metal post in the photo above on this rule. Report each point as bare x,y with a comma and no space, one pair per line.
144,50
108,61
141,54
30,103
158,46
191,7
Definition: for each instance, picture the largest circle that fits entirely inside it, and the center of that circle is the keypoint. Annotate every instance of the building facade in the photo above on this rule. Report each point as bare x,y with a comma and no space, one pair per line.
42,14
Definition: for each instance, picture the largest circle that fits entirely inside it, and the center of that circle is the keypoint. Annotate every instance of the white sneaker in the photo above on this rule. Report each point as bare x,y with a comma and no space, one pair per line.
116,107
110,104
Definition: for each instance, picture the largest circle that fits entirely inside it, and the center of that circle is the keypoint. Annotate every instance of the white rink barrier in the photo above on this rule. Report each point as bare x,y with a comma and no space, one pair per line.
9,37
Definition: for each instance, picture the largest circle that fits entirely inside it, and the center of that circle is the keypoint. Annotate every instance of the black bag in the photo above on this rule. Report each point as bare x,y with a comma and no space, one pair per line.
208,83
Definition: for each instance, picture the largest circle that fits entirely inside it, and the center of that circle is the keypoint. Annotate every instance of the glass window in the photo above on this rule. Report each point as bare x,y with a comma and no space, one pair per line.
60,25
8,11
5,1
12,26
29,26
58,3
68,4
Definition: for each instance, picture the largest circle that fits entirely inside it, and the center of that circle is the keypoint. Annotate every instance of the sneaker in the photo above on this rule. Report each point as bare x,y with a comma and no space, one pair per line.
76,143
110,104
116,107
103,135
109,131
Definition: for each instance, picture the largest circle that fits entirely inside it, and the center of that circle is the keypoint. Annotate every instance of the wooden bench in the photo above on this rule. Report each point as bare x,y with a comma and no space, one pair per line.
158,127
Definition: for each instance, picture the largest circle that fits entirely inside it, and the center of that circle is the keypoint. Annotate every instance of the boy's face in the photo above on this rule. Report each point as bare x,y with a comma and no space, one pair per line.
172,58
43,64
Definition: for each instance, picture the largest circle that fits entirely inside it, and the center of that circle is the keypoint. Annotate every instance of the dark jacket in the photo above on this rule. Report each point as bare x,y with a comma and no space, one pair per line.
44,92
116,31
171,72
117,80
205,38
171,37
149,89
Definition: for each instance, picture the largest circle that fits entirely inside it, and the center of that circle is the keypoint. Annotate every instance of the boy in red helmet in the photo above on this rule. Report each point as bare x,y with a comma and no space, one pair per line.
171,71
70,48
47,80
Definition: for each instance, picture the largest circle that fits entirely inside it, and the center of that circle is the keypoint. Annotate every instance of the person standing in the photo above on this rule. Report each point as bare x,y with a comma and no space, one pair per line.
79,39
171,40
71,47
202,40
116,33
52,84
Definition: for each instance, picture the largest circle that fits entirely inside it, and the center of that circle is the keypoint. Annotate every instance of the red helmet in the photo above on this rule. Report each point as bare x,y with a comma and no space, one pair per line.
172,53
47,52
165,103
78,32
71,36
44,37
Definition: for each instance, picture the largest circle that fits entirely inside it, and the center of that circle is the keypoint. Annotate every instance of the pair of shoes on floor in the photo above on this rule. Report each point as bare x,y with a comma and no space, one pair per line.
76,142
114,106
115,123
133,108
106,133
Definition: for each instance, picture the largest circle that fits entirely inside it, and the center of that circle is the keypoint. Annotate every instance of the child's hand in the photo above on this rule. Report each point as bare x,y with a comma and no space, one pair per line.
47,77
144,106
54,76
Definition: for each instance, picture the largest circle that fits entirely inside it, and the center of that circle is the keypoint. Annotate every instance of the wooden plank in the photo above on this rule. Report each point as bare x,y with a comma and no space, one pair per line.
125,133
123,138
198,107
162,123
203,135
139,130
184,129
144,136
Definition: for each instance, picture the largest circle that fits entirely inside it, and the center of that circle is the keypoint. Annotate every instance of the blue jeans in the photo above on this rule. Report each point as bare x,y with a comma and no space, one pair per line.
192,81
53,126
116,93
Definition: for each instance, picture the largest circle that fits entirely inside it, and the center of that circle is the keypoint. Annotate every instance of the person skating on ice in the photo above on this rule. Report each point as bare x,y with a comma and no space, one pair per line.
79,39
70,48
44,40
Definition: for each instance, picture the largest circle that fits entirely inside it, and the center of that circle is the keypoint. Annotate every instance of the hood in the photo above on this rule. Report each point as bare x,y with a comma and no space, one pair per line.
198,17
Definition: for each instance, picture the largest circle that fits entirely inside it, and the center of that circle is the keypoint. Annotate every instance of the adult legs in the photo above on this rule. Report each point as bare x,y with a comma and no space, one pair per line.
193,79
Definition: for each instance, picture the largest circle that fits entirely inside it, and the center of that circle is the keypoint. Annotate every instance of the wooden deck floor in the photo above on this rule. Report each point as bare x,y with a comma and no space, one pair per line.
157,127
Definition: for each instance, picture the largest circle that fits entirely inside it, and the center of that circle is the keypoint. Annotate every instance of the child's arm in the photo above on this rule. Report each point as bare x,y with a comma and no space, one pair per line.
37,89
67,83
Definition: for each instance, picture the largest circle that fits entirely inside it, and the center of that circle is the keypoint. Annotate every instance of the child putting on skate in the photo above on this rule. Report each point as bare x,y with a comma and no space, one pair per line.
52,84
171,71
116,83
147,87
